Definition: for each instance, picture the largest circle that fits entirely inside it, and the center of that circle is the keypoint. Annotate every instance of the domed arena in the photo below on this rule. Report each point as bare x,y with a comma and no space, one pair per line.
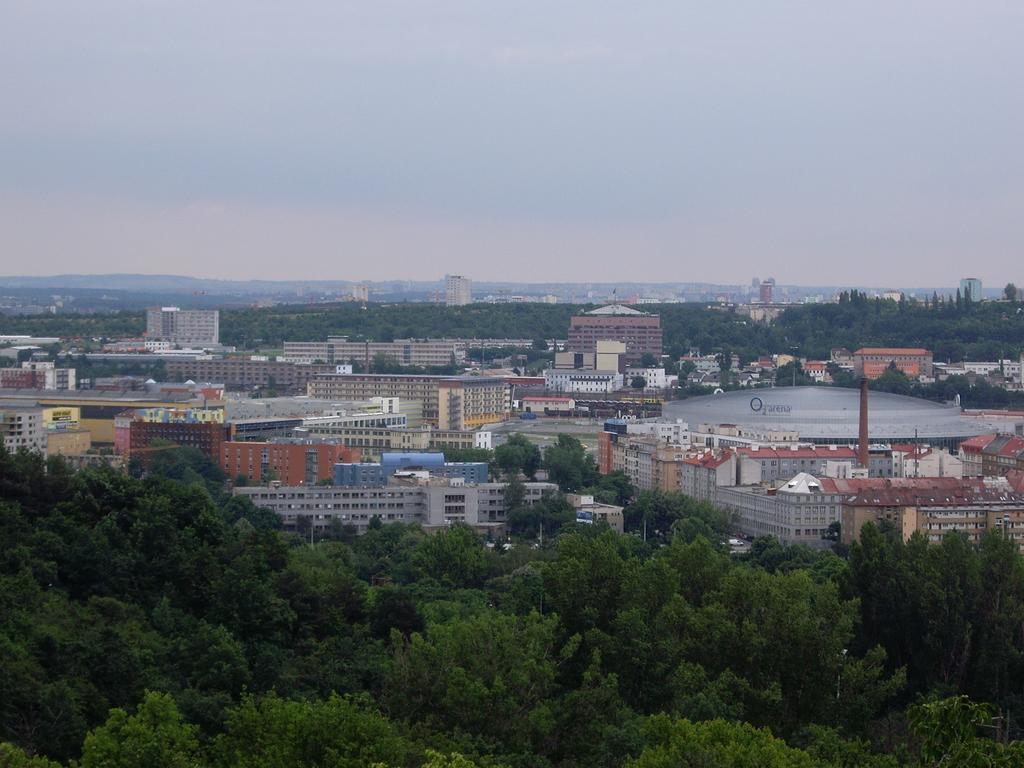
832,414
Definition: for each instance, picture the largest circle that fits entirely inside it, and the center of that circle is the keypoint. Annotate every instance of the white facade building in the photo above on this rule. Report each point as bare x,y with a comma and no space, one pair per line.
433,503
584,381
971,286
53,377
339,350
185,327
655,378
674,432
458,290
22,428
799,512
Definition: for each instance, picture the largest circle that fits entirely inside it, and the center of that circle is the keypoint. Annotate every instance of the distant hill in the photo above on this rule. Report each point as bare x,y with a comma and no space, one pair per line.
183,285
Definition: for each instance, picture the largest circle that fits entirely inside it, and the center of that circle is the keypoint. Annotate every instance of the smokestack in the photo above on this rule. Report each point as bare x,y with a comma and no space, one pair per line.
862,442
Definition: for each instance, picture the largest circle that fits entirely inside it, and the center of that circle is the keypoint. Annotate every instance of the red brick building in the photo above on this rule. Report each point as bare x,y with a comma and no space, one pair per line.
640,331
872,362
22,378
299,462
208,438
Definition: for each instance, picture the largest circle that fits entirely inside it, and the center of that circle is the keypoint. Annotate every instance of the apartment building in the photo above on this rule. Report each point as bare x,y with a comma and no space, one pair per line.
38,375
338,349
291,461
207,437
242,374
450,403
673,434
924,461
969,510
970,288
649,462
992,455
872,362
22,427
770,465
458,290
434,503
701,475
391,463
372,442
583,381
1001,455
798,512
185,327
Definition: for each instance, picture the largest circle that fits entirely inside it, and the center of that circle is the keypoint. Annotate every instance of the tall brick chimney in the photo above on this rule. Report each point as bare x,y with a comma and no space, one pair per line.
862,441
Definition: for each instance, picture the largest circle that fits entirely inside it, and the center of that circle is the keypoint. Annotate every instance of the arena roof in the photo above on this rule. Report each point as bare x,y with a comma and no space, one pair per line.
831,414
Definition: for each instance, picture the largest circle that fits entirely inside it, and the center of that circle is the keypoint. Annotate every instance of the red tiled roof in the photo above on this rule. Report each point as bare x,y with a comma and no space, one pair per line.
855,485
889,497
1012,448
708,460
801,452
976,444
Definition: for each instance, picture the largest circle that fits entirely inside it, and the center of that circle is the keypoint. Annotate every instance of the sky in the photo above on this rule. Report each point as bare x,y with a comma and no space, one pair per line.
863,142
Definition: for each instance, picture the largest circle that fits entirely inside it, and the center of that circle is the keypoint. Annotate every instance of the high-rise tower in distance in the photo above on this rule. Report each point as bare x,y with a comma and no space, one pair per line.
457,290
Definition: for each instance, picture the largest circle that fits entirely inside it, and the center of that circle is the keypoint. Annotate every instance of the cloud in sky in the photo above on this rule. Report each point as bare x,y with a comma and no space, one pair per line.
819,142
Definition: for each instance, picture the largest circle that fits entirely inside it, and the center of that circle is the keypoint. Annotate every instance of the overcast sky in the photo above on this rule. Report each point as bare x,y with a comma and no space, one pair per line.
870,142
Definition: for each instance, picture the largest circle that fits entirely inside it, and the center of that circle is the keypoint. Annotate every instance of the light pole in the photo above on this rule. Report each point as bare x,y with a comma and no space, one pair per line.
839,674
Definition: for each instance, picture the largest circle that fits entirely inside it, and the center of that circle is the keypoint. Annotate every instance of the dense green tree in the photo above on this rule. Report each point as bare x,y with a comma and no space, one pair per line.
658,515
155,736
949,732
490,675
613,488
393,608
484,455
517,455
271,732
569,464
715,744
544,517
267,651
453,557
792,375
14,757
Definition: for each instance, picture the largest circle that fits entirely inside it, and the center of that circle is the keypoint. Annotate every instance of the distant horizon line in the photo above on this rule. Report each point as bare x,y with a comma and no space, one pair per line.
39,281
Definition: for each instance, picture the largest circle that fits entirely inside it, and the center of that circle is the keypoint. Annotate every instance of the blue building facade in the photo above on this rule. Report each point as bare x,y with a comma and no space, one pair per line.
367,475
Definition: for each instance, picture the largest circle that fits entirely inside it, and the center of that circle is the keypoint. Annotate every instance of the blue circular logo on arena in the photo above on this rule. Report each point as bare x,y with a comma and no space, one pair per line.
756,404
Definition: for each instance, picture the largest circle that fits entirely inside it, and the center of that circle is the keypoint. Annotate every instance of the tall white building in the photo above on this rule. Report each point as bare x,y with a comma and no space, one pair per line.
187,327
53,377
22,427
971,286
458,290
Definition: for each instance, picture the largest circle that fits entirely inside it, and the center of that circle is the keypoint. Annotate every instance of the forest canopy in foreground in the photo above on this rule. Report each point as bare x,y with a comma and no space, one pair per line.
152,622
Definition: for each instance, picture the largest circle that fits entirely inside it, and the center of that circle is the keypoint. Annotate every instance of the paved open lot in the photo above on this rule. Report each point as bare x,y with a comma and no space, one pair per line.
544,431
